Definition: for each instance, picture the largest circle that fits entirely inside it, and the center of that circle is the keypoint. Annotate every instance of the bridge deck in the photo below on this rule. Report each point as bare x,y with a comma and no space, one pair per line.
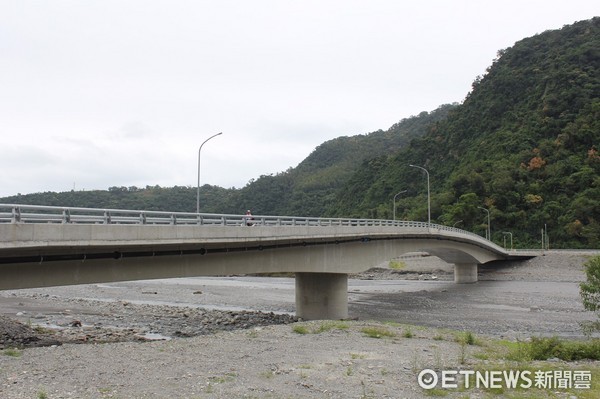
46,246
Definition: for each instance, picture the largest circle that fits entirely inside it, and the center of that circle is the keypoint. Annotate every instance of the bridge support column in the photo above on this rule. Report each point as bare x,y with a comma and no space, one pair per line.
322,296
465,273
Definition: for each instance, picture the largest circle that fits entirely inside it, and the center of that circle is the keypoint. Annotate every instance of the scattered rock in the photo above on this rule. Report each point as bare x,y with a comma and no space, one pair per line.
143,321
16,334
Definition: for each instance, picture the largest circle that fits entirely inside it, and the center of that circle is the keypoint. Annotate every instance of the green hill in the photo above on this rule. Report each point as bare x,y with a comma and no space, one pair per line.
311,187
524,144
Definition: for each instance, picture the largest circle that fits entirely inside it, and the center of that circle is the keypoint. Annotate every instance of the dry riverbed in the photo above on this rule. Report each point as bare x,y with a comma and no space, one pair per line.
237,337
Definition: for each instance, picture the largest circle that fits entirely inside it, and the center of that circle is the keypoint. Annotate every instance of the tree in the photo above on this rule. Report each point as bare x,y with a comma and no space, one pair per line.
464,211
590,289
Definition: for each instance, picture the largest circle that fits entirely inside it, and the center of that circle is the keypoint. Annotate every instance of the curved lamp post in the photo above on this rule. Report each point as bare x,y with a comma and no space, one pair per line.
504,233
488,232
401,192
428,193
199,151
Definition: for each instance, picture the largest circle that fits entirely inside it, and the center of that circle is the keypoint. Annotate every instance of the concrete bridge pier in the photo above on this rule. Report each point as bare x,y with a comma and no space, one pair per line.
322,296
465,273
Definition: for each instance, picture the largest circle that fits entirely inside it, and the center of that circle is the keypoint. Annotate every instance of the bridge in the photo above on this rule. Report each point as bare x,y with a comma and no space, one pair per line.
42,246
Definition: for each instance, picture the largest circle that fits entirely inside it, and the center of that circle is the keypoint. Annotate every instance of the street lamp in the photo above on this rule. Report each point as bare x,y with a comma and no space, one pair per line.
457,222
488,232
504,233
198,192
401,192
428,193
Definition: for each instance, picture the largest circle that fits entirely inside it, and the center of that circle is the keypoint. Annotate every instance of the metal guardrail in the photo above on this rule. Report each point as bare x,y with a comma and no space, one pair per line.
15,213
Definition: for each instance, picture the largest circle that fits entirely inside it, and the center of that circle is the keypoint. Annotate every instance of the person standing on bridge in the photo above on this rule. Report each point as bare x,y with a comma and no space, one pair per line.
248,218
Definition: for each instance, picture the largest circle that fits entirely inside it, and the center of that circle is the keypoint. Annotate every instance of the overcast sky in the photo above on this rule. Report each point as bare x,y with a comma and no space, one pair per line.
103,93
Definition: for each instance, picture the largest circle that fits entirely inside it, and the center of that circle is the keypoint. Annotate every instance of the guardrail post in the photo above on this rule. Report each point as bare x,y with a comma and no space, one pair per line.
173,219
66,216
16,214
107,217
142,218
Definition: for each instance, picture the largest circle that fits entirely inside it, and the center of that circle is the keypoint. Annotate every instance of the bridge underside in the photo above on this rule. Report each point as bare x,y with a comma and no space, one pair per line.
321,262
321,271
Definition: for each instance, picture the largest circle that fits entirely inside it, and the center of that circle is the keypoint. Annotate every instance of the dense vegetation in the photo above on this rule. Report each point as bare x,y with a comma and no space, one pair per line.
311,187
524,145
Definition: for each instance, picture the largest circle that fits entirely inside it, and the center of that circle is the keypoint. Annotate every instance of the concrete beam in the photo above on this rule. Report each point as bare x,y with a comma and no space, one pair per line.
465,273
322,296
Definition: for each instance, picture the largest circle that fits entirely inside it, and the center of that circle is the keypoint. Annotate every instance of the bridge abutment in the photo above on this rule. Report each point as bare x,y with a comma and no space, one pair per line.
322,296
465,273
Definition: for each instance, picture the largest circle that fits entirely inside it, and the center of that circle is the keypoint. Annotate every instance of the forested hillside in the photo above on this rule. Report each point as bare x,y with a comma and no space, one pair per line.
524,145
310,188
306,190
213,199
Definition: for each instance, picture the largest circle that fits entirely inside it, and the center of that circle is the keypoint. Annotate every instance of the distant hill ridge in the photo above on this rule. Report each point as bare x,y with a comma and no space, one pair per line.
306,190
524,145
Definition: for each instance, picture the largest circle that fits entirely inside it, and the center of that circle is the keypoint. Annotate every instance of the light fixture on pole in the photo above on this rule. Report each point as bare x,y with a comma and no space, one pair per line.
504,233
428,193
199,151
401,192
488,232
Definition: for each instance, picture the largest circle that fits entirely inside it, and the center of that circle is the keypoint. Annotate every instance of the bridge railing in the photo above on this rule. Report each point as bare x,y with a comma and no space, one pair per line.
16,213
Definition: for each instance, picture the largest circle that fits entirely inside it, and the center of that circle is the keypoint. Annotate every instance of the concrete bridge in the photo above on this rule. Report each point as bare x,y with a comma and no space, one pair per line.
44,246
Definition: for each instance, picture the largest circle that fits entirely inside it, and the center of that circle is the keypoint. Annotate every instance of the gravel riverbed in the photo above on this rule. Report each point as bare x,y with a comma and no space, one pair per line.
237,337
